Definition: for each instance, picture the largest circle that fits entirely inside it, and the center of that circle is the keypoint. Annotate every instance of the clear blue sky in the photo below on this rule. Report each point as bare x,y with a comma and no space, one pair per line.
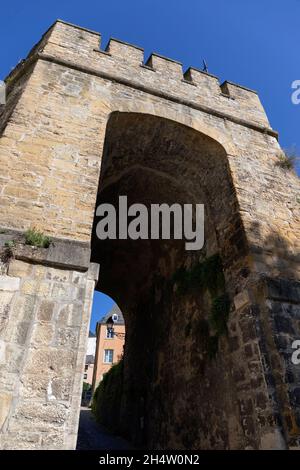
251,42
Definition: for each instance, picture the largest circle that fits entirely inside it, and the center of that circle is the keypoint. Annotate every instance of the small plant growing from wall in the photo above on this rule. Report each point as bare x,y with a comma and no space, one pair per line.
286,159
34,237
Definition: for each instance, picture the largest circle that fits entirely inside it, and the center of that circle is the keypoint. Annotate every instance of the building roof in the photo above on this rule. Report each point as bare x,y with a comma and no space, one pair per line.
114,310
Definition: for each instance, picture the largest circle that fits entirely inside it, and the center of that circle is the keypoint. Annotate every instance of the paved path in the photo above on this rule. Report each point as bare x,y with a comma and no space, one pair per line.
93,436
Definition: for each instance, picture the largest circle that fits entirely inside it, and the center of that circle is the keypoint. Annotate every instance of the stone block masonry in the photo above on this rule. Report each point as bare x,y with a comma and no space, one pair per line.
53,130
44,322
76,115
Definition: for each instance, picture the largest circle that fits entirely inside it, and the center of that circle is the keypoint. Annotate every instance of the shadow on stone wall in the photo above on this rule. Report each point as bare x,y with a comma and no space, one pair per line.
274,255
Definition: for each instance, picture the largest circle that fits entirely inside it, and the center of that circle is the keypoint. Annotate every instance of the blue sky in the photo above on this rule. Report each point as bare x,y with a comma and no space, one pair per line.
251,42
101,305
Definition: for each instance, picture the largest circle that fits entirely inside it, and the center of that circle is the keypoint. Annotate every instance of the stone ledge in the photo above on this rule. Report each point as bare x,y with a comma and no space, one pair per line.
62,253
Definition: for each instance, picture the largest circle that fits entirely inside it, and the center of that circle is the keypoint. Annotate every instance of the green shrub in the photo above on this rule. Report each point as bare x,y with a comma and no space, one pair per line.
106,402
36,238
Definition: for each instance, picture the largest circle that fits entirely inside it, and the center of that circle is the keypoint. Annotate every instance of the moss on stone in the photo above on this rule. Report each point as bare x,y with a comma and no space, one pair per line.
207,276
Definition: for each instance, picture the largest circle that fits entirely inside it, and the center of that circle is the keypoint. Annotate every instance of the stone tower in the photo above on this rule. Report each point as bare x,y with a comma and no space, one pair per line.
82,125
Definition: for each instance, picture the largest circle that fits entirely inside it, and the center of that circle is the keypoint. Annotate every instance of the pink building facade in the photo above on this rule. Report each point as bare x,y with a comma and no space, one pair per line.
109,344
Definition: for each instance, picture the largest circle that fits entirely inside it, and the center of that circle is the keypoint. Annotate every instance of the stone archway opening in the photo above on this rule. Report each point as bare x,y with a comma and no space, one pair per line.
170,359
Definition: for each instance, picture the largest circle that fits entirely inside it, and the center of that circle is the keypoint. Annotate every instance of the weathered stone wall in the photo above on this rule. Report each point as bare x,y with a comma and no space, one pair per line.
182,397
52,135
280,327
58,128
44,322
245,396
186,398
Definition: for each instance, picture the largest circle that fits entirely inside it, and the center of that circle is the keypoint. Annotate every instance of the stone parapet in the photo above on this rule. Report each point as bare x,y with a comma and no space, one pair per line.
69,44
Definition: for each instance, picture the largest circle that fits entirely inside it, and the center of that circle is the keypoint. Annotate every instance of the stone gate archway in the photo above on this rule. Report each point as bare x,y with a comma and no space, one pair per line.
168,359
52,134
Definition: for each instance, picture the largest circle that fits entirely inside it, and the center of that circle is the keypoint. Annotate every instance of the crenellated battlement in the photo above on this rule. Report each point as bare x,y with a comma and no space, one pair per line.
80,48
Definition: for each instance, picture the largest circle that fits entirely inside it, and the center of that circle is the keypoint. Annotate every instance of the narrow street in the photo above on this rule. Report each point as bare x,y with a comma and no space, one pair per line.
93,436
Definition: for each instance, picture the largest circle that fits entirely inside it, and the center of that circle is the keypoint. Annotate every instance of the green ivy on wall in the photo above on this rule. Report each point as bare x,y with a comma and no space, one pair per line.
207,276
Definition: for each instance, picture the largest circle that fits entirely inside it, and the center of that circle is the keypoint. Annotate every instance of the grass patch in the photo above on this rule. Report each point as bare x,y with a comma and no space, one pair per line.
34,237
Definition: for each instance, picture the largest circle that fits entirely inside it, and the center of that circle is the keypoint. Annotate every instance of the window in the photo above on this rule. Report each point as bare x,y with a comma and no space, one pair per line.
110,333
108,356
85,376
86,367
